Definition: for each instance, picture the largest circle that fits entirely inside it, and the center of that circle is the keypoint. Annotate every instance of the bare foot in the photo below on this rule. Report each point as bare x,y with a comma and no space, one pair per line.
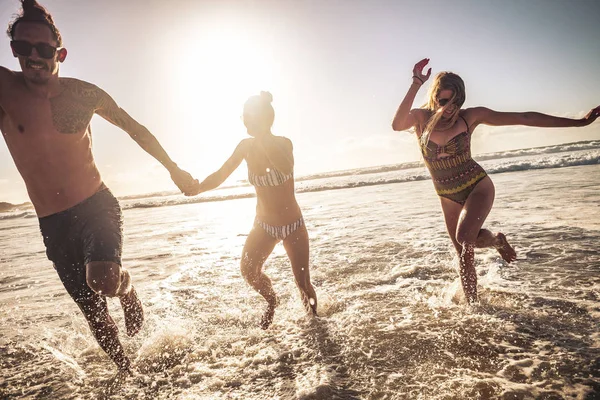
267,318
310,305
134,313
506,251
117,381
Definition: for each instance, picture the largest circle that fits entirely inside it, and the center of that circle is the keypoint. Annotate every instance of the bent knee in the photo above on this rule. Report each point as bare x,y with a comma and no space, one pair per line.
249,272
250,267
104,277
246,266
466,239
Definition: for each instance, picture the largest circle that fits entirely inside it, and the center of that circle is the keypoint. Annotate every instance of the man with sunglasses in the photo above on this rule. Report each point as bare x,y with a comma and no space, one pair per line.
45,121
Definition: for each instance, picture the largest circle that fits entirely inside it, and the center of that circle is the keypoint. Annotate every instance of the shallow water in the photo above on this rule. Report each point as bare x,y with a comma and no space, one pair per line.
393,321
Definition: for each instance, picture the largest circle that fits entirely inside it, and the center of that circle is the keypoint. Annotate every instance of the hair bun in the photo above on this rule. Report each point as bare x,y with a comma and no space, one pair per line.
28,5
33,11
266,96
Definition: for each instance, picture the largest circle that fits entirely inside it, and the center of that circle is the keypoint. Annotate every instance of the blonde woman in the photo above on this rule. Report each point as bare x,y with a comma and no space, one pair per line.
466,192
270,163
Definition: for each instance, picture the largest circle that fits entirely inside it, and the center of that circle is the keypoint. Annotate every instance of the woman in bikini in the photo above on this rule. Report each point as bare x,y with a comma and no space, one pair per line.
270,164
465,190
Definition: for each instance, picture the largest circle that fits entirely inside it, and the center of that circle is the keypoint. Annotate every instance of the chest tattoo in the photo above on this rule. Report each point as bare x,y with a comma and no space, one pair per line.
73,109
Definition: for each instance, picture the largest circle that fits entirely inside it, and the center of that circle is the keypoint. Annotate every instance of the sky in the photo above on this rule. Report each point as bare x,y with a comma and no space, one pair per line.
337,69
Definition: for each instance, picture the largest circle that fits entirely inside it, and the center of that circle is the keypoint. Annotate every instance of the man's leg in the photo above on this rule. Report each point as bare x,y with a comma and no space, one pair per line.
103,328
102,238
74,238
111,280
95,310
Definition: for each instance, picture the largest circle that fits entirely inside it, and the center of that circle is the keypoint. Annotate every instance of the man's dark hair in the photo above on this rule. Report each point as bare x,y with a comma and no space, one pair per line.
33,12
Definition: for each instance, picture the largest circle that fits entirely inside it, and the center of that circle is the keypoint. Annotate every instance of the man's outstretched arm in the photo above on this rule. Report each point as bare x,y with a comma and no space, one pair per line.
108,109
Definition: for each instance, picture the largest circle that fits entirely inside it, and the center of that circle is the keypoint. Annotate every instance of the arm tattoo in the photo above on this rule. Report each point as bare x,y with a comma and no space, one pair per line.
108,109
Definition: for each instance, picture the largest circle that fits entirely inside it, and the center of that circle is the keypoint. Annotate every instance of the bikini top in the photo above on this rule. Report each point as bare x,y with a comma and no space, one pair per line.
272,178
457,146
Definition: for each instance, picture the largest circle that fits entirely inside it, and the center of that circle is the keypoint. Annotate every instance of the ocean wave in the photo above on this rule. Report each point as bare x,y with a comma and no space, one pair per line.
533,151
158,202
361,171
589,145
558,156
417,174
567,160
16,215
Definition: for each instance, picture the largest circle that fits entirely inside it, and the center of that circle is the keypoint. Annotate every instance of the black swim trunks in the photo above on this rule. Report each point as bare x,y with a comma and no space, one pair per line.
89,231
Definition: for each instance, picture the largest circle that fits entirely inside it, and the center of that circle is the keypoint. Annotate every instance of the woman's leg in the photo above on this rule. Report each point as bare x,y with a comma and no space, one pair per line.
463,221
485,238
471,219
297,248
257,249
498,241
452,210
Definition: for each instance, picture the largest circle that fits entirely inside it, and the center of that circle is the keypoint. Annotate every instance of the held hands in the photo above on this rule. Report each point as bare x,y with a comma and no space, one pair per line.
418,77
185,182
591,117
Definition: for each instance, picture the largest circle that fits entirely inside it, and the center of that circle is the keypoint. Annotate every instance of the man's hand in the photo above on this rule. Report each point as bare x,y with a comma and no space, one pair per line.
185,182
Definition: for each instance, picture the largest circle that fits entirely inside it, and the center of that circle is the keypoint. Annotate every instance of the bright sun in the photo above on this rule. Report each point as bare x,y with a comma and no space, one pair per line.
217,69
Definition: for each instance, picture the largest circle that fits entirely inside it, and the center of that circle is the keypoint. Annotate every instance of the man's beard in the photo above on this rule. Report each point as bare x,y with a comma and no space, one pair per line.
37,76
38,79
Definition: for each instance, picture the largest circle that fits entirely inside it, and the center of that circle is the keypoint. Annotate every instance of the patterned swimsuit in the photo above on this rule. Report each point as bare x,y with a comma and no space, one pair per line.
454,176
274,177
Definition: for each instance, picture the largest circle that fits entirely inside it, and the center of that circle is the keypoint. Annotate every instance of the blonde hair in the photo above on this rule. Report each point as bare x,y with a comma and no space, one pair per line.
443,81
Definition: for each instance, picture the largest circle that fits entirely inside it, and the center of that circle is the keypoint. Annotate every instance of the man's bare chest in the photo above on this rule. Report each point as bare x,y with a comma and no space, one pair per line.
35,117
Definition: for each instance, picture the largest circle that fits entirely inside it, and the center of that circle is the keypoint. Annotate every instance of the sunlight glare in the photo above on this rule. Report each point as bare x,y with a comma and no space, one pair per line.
217,69
216,74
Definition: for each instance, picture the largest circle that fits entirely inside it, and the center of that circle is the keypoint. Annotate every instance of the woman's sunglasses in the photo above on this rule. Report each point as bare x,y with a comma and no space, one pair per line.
443,102
24,49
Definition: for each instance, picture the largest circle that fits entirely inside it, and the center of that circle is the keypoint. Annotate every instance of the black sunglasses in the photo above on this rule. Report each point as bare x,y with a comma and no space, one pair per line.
443,102
24,49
